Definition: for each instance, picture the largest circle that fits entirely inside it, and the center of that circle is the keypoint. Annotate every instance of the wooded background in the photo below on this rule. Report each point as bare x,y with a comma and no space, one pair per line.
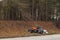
30,10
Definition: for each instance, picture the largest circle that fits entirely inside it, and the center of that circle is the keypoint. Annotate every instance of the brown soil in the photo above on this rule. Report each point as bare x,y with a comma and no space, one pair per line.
20,28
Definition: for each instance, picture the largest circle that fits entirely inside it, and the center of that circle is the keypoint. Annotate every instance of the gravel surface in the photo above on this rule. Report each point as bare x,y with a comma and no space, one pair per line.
46,37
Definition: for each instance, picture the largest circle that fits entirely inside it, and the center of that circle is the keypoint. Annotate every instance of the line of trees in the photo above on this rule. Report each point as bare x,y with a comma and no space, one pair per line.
9,10
42,10
47,9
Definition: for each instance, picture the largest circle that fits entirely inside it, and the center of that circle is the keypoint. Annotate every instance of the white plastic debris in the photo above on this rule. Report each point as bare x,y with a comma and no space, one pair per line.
45,32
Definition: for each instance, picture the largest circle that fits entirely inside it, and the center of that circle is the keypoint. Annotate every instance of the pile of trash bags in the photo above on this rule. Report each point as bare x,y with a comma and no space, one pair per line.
38,29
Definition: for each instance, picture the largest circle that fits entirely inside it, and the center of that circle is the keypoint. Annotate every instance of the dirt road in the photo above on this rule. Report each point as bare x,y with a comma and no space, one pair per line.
47,37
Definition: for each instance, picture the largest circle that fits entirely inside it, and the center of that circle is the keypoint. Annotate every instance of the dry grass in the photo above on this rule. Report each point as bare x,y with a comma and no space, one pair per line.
20,28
